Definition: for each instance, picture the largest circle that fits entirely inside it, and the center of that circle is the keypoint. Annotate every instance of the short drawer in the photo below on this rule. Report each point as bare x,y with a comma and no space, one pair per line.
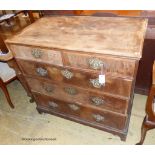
73,94
113,85
37,54
76,110
115,66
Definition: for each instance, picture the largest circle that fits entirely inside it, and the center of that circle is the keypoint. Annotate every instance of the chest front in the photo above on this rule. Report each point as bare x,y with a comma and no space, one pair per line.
82,68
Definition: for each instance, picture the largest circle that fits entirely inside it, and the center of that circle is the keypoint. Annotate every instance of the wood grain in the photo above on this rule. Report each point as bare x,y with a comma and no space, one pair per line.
83,96
113,84
74,51
109,119
114,36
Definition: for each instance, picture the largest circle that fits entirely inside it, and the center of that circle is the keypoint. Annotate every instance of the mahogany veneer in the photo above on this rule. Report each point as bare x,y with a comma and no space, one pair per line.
61,59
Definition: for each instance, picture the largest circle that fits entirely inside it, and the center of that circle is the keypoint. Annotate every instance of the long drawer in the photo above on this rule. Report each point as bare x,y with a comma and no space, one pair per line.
113,85
74,94
76,110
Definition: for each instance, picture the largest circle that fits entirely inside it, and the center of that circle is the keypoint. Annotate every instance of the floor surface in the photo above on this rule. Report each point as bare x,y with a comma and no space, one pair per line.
23,125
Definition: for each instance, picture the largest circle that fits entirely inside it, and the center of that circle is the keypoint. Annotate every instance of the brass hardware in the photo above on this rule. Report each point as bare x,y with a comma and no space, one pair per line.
41,71
97,101
48,89
95,63
98,118
66,73
36,53
95,83
70,90
52,104
74,107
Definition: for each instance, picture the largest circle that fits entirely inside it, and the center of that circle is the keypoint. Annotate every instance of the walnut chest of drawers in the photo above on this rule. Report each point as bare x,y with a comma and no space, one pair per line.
61,59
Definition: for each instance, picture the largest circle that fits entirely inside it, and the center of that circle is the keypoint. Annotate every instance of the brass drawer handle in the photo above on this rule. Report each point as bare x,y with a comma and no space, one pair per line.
53,104
48,89
98,118
36,53
67,74
41,71
70,90
74,107
95,83
96,63
97,101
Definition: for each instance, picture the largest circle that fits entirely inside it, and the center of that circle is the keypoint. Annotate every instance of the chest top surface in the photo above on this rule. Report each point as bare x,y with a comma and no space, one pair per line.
106,35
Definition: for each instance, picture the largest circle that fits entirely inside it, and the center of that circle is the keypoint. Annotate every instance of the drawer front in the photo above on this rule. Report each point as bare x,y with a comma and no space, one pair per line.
37,54
76,110
77,95
106,118
59,106
120,67
107,102
113,85
66,92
